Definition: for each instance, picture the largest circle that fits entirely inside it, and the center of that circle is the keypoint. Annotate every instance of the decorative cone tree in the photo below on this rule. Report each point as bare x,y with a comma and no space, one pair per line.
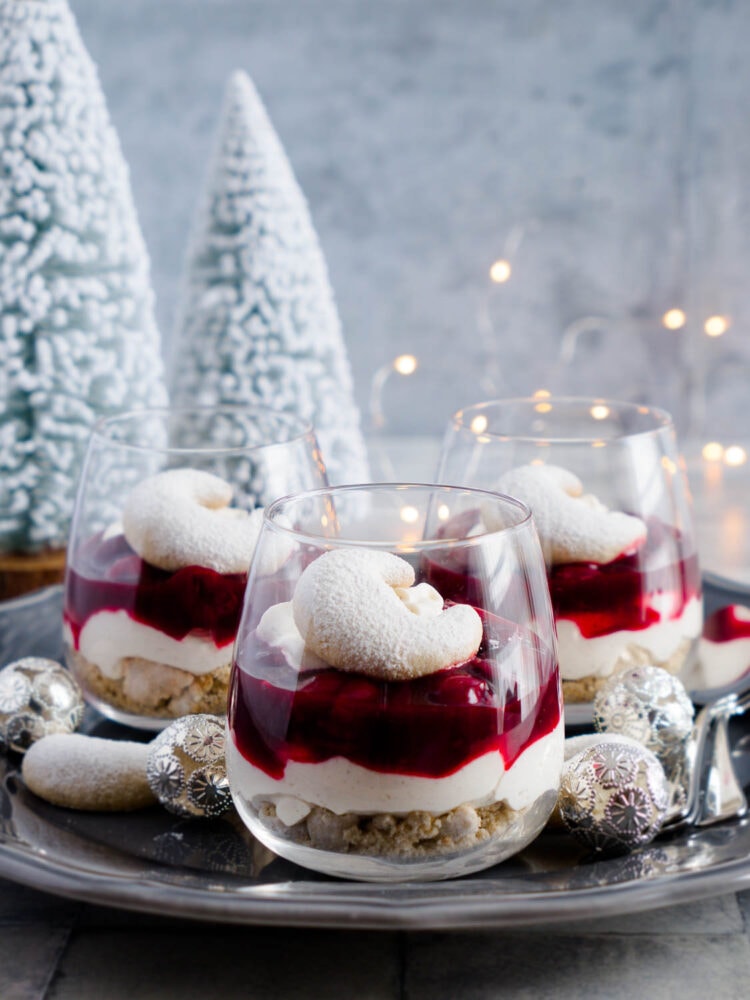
78,338
259,324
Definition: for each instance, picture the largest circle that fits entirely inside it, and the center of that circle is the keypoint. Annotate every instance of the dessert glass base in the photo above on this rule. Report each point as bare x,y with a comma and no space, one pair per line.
382,847
149,695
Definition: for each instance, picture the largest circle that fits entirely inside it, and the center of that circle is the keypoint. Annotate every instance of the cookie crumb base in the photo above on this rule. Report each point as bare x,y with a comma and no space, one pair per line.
153,690
417,834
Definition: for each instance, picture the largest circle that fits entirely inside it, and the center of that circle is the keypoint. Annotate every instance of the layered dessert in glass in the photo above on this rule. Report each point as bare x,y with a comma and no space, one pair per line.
148,640
608,494
379,729
168,515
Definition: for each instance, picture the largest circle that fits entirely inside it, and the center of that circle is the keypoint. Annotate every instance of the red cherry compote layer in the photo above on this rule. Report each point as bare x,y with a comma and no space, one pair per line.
638,589
726,625
107,575
503,699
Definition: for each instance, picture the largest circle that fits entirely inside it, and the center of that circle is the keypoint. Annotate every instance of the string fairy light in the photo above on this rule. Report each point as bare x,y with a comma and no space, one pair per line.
715,326
405,365
735,455
409,514
674,319
500,271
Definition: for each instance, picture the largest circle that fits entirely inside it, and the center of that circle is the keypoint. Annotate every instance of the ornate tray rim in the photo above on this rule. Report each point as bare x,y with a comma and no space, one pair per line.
432,906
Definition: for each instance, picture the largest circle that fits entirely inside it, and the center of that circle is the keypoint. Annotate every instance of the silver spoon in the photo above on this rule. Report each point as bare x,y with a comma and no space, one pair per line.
713,792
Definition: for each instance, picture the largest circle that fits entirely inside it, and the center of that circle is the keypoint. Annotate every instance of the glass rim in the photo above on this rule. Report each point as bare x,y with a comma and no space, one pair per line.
275,510
301,428
663,420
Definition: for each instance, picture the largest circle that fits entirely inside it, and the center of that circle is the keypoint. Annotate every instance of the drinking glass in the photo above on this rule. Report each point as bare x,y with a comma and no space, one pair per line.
609,495
161,539
395,707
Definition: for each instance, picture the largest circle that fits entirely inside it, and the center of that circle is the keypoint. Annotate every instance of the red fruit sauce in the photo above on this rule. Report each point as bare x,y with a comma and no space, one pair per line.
634,591
428,727
107,575
725,625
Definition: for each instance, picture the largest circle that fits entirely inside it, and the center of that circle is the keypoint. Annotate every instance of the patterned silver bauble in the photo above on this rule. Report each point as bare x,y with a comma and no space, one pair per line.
651,706
613,796
186,769
38,697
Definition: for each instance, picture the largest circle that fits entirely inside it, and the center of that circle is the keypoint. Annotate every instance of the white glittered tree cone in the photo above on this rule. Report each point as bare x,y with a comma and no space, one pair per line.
78,337
259,324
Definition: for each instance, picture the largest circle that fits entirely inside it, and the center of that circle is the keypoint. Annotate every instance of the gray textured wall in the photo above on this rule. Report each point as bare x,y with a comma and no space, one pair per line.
604,144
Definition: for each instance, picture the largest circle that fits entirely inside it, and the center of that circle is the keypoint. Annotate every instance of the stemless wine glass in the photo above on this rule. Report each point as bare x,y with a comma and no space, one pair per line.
395,705
625,582
161,539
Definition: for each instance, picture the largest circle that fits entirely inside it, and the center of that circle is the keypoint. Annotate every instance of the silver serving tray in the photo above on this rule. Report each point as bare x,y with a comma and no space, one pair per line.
153,862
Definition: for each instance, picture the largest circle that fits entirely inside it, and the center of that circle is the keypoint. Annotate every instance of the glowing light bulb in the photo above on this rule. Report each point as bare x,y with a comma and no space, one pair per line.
712,451
479,424
405,364
735,455
543,407
500,271
542,394
715,326
674,319
443,512
599,411
409,515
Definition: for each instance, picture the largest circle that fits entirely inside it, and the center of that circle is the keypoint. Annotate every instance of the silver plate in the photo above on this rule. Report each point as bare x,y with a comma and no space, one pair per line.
153,862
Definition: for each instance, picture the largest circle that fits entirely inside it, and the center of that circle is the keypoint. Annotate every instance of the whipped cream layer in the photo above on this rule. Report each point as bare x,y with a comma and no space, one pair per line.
600,655
343,787
109,636
278,628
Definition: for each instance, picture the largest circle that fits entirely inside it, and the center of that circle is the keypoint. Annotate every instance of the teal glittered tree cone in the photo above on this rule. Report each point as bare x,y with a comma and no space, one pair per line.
258,322
78,337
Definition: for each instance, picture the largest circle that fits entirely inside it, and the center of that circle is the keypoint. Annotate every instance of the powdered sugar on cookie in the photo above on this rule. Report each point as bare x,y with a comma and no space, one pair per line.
572,526
182,517
89,773
357,609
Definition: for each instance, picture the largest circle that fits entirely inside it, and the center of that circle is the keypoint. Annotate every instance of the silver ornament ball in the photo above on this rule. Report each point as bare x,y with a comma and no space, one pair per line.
186,769
650,705
38,697
614,796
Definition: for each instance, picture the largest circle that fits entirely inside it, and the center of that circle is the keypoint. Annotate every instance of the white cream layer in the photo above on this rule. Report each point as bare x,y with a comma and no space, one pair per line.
343,787
720,663
598,656
277,628
108,636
